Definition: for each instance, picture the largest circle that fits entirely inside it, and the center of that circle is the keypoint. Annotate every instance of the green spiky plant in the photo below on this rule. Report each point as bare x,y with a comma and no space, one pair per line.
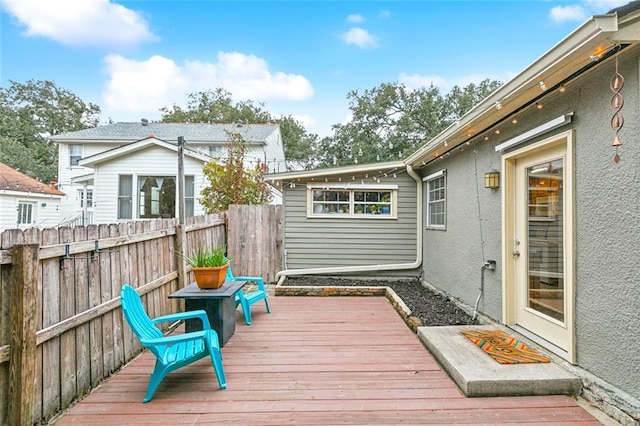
204,257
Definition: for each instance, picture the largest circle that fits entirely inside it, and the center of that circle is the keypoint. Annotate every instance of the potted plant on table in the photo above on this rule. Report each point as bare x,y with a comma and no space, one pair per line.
209,265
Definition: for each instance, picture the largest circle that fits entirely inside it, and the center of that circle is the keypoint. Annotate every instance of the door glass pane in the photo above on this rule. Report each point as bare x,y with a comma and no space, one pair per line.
546,292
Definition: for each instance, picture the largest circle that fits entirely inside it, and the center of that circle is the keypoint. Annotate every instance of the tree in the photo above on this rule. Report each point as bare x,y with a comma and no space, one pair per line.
390,121
30,113
299,144
231,182
217,106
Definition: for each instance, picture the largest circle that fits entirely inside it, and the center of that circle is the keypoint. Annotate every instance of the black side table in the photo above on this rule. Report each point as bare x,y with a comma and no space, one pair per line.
218,303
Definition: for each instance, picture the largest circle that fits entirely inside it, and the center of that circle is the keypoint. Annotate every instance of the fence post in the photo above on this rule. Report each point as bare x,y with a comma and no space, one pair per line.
22,350
181,242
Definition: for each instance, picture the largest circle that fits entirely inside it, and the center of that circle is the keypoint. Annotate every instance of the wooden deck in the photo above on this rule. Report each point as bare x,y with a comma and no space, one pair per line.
314,360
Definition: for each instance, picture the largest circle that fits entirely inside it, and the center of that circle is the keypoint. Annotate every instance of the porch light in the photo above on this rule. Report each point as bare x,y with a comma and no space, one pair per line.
492,180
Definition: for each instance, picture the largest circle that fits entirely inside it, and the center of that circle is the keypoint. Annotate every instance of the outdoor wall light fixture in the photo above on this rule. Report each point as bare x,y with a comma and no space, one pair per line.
492,180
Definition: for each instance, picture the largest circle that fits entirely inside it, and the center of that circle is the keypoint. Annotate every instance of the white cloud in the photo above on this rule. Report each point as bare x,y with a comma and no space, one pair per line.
306,120
356,18
80,23
359,37
562,14
145,86
582,11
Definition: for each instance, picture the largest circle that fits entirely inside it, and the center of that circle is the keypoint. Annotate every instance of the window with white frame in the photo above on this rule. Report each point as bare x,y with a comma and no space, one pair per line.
25,213
89,198
189,195
75,154
377,201
436,210
125,196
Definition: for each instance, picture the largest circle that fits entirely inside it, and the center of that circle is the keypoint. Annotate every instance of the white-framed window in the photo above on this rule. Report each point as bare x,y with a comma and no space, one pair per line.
125,197
26,212
436,205
340,201
75,154
89,198
189,195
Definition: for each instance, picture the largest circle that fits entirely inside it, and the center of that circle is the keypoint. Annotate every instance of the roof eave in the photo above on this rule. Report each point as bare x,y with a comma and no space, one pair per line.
335,171
137,146
588,38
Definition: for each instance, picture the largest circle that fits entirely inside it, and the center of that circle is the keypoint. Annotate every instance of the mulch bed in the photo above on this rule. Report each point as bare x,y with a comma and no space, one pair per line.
433,309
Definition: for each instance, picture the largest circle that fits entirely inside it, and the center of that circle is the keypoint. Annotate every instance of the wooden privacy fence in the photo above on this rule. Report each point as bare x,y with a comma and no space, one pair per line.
62,330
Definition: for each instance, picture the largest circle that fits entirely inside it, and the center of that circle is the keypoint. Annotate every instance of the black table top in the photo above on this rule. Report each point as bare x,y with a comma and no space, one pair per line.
192,291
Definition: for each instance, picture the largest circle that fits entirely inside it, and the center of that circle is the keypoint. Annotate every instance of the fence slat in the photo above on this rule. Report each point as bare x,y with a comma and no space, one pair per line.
22,368
50,301
67,339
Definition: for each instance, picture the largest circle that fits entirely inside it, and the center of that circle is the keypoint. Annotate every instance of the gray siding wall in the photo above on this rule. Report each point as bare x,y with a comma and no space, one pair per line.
323,243
453,257
607,213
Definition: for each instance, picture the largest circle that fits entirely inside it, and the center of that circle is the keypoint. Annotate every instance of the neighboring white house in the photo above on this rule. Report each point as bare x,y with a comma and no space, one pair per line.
105,167
26,202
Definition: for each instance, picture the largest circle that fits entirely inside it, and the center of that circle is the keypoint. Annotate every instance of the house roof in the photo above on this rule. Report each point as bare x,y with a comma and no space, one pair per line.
593,43
136,146
13,180
192,132
336,171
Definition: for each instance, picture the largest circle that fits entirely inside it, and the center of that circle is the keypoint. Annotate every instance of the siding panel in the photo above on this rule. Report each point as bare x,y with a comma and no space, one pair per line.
335,242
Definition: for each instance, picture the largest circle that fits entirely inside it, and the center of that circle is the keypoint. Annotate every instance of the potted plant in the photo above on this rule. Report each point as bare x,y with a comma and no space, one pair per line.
209,265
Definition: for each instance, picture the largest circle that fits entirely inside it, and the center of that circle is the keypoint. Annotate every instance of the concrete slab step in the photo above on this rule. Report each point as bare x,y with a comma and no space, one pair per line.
477,374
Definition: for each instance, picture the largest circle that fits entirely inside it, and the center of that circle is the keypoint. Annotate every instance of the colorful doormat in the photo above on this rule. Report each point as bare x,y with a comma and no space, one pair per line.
503,348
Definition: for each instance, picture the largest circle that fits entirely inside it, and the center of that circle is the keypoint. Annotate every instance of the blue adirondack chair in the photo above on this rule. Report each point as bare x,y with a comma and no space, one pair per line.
249,298
174,351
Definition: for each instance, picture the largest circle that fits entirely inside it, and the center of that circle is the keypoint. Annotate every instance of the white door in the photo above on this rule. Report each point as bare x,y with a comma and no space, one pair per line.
541,246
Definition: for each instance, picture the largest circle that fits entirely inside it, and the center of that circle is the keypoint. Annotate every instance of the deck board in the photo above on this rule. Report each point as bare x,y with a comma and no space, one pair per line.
314,360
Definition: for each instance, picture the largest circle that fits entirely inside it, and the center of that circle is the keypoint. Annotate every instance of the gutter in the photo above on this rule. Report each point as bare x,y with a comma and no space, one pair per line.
282,275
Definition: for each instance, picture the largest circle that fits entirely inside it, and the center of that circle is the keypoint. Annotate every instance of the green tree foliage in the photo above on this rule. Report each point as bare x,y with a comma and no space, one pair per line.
217,106
30,113
391,121
231,182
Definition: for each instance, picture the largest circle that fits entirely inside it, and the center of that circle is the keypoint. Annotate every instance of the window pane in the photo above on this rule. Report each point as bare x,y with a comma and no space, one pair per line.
75,154
157,197
125,190
89,198
25,213
351,202
189,199
436,207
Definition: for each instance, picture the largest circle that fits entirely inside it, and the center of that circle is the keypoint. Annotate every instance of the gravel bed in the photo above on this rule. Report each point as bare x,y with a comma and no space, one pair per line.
432,309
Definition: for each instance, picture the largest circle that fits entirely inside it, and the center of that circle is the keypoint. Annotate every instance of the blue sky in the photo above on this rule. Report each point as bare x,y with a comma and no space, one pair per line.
298,58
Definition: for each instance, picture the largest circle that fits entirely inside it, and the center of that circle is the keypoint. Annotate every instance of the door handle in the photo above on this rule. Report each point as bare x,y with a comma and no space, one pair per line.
516,253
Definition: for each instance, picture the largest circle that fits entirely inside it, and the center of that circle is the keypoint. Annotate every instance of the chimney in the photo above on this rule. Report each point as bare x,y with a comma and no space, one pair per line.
144,122
52,184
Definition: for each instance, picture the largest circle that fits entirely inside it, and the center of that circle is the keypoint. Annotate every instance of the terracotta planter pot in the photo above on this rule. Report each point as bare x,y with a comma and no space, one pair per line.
210,277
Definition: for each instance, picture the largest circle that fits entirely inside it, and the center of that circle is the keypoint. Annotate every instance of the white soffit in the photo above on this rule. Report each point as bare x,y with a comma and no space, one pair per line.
537,131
